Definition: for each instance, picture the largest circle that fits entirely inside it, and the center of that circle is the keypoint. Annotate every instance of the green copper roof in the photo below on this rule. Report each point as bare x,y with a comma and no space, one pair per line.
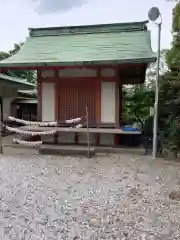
108,43
21,83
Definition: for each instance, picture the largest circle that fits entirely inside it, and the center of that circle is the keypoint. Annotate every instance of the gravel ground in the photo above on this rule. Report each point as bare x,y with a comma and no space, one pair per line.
107,197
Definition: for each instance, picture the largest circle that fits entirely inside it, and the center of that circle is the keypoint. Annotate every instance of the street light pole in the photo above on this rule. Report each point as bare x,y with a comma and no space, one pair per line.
156,103
154,14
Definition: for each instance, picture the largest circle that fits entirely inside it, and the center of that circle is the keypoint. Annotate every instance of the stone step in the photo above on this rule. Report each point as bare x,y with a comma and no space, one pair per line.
78,150
128,150
82,150
65,150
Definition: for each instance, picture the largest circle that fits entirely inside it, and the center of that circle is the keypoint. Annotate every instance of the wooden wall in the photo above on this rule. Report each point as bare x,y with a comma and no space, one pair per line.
74,88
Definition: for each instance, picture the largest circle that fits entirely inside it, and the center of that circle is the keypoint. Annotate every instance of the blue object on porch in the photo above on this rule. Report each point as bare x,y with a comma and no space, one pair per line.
128,129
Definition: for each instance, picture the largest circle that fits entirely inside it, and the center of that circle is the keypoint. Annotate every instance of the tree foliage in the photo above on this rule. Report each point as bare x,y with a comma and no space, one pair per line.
151,71
173,55
137,103
169,109
138,100
30,76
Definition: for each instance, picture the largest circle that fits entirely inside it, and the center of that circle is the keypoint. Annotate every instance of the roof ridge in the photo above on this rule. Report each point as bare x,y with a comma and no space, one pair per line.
85,29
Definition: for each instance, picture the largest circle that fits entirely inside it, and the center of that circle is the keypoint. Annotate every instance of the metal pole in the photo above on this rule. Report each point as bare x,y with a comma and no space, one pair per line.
155,128
88,137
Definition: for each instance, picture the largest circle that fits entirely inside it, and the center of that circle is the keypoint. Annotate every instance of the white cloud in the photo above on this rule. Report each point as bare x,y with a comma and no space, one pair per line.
49,6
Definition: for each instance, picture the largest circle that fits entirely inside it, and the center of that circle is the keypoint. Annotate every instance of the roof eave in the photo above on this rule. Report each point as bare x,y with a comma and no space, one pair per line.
19,86
12,80
78,63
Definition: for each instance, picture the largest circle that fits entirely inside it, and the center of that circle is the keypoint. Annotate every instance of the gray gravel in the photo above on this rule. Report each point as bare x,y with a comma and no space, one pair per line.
107,197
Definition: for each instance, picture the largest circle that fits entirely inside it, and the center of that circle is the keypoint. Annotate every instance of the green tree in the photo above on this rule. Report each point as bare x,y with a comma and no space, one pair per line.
169,104
137,103
3,55
30,76
151,71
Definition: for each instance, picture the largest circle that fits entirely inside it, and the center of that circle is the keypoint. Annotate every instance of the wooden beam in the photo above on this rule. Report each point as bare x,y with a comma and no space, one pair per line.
82,130
92,66
109,79
48,80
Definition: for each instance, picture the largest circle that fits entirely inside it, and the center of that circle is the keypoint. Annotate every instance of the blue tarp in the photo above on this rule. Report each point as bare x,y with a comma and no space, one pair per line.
128,129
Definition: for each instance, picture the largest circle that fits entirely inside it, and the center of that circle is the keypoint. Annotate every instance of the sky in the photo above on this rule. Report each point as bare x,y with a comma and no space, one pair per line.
18,15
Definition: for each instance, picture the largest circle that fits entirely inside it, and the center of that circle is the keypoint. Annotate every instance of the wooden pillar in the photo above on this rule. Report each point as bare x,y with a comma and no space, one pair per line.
76,138
117,102
39,96
1,143
98,97
56,94
120,101
116,140
97,139
98,104
56,101
117,98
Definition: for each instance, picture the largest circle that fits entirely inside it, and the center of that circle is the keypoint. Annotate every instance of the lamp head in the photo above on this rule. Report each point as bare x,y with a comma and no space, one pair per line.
154,14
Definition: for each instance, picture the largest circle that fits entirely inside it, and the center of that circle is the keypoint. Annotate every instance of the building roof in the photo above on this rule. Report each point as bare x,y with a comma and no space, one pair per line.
20,83
31,93
26,100
76,45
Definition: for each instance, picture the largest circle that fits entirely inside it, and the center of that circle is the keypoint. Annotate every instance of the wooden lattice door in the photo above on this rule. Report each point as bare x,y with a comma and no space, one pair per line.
73,99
